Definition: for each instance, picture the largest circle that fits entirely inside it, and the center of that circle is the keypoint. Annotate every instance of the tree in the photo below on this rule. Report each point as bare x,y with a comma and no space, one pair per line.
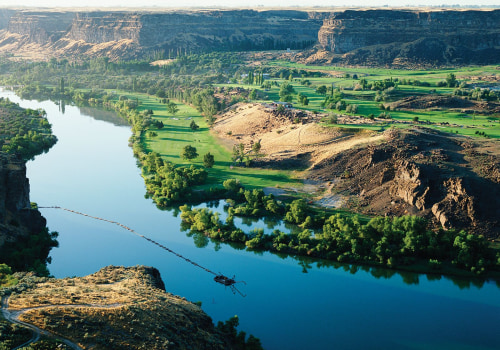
297,211
61,86
208,160
172,108
451,80
256,147
238,153
193,125
189,152
232,185
253,95
161,93
303,100
286,91
321,90
250,77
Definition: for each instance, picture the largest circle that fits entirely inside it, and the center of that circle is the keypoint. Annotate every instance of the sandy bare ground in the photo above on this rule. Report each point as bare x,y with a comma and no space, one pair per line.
282,138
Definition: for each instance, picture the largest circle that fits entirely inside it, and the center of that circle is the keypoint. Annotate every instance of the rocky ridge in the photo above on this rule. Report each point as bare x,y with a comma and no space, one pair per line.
420,172
390,37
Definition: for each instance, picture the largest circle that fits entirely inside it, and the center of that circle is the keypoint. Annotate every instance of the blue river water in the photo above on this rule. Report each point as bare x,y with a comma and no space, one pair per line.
289,304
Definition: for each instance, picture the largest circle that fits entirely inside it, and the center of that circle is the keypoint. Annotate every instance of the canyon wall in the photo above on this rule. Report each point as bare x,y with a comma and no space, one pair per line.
387,36
16,221
364,37
41,27
138,34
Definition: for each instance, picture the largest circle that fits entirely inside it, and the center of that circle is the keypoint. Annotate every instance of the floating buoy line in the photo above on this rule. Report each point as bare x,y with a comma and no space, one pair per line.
219,278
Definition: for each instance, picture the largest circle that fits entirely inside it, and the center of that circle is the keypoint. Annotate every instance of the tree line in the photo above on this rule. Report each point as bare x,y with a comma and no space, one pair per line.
386,241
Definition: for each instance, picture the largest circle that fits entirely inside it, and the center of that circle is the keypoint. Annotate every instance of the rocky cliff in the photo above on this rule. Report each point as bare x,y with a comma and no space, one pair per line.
40,27
136,34
16,222
386,37
114,308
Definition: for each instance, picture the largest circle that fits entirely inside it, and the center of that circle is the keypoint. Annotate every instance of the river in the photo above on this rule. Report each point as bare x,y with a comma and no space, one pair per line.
288,304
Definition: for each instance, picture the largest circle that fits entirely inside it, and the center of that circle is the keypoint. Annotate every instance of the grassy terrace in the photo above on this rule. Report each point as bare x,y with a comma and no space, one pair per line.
459,123
176,134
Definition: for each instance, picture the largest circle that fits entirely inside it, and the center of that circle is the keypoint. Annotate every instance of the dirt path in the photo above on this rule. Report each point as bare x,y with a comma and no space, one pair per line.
13,316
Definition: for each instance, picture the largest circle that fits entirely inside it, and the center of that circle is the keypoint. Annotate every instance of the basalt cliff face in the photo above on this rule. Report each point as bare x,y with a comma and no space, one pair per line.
390,37
16,221
360,37
139,34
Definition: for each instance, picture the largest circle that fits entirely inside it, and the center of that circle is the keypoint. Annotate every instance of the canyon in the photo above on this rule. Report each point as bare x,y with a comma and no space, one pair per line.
355,37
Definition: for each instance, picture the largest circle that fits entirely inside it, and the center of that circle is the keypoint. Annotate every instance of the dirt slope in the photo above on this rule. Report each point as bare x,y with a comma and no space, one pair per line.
451,180
454,181
290,138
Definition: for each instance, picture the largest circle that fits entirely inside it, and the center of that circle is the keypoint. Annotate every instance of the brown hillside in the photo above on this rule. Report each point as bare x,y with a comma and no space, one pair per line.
116,307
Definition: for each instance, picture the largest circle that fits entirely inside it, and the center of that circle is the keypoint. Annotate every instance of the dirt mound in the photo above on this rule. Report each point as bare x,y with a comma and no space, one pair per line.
420,172
437,102
289,138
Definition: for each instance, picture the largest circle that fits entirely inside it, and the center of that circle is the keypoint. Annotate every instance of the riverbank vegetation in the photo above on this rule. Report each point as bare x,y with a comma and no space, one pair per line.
162,103
24,133
386,241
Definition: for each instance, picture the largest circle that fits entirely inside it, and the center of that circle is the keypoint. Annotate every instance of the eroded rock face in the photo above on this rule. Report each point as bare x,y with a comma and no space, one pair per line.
392,36
457,201
141,33
409,184
421,172
15,220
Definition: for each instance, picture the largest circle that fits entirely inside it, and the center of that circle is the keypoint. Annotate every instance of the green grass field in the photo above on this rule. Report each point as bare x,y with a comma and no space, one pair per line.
458,123
176,134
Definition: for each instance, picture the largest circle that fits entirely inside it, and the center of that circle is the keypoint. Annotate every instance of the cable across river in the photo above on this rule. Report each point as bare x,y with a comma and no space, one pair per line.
219,278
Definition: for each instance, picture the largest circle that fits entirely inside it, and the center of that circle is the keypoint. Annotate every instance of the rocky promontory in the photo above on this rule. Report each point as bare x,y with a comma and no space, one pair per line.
114,308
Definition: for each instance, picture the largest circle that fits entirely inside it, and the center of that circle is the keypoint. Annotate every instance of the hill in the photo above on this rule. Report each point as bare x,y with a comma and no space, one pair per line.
116,307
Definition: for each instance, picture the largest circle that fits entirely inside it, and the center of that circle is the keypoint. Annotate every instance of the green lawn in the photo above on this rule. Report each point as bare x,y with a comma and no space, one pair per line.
459,123
176,134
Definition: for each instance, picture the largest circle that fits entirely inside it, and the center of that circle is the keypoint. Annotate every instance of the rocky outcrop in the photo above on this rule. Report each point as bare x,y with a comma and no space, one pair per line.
420,172
115,308
15,219
457,200
136,34
409,184
387,37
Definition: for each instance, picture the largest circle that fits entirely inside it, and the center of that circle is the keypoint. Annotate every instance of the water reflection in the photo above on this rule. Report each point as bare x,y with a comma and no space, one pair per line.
270,224
292,302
